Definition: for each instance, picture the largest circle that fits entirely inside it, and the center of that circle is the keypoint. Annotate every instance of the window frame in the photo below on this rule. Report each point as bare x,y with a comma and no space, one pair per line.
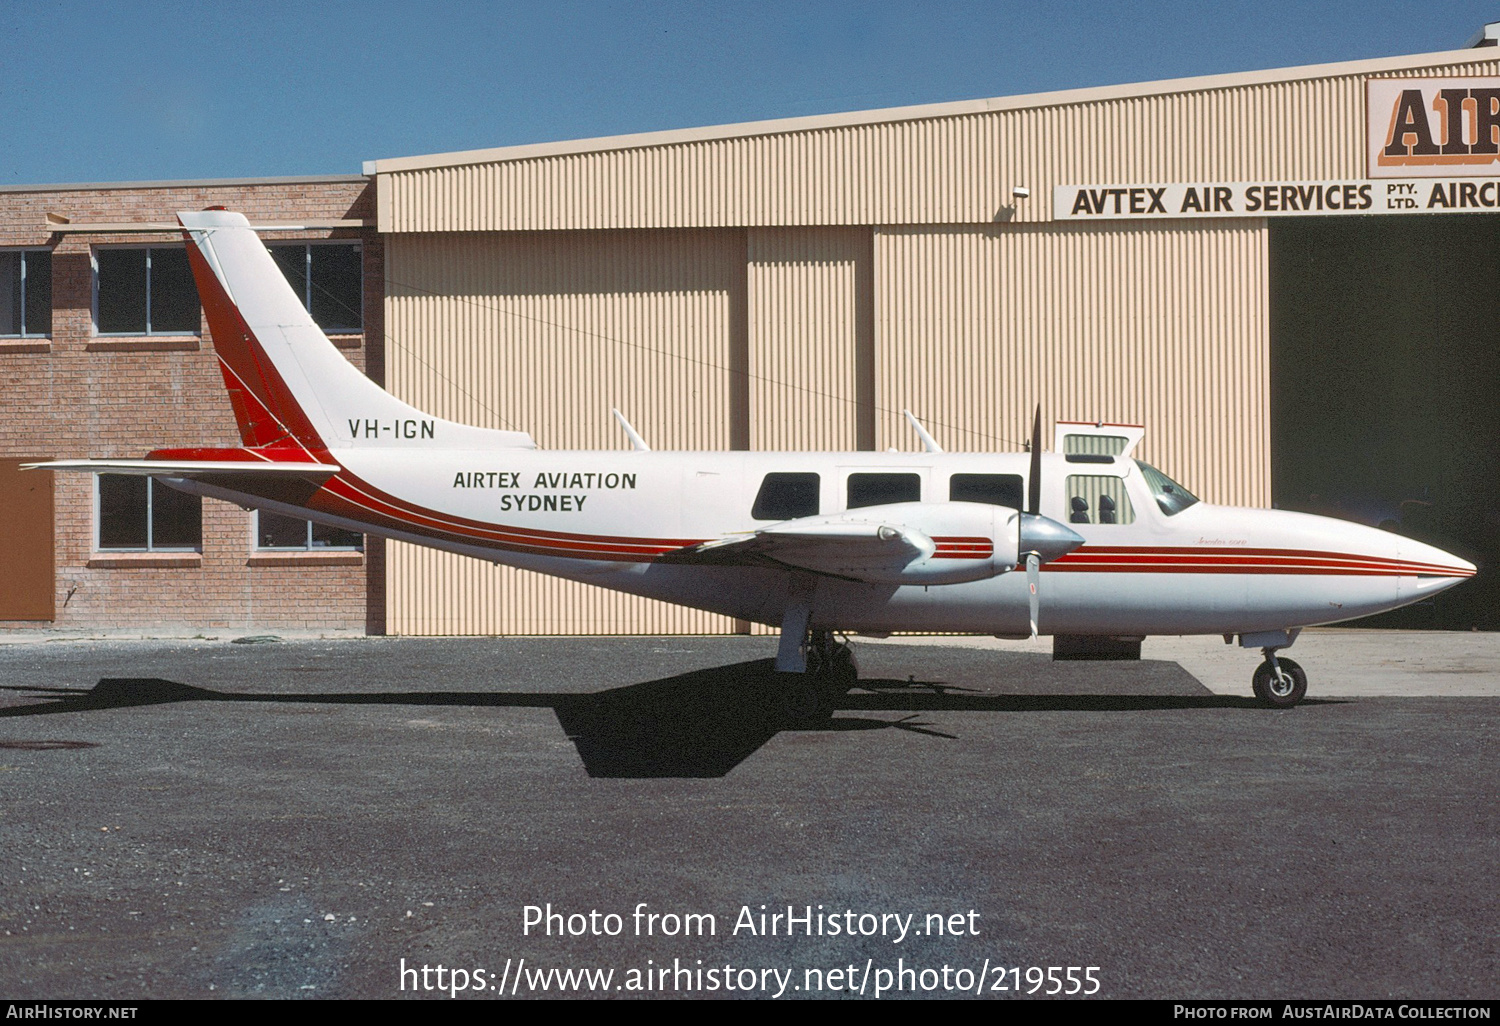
94,252
307,279
257,548
22,251
150,546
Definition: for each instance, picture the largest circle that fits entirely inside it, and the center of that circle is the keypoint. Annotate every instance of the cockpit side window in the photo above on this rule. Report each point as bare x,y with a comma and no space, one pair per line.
994,489
1099,499
1169,495
786,497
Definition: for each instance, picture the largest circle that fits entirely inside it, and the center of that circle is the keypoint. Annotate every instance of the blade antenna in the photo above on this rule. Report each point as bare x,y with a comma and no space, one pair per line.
636,441
929,443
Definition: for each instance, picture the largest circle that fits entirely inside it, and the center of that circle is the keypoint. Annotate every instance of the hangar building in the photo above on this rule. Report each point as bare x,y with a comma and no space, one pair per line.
1282,274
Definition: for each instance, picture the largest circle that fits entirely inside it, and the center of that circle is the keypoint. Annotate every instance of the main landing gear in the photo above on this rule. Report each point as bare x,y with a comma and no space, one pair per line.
809,698
1278,682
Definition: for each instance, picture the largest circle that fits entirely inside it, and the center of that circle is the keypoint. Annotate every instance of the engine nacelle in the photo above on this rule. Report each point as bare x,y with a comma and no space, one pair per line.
902,543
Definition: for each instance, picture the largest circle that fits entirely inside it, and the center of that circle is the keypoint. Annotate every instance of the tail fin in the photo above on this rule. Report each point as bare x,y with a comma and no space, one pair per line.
288,384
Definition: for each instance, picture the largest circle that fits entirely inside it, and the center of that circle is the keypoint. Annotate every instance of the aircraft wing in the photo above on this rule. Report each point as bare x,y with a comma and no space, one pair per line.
850,551
916,543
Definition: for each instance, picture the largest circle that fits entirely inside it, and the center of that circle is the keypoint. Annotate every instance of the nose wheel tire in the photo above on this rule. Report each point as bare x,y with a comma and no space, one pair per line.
1281,686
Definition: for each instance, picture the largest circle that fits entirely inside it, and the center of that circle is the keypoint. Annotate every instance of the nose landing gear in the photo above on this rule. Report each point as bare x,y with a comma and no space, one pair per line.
1280,683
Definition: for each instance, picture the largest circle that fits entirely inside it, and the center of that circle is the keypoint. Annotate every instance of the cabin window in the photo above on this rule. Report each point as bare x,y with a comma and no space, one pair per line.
142,513
994,489
882,489
1097,499
786,497
274,531
328,278
145,291
25,293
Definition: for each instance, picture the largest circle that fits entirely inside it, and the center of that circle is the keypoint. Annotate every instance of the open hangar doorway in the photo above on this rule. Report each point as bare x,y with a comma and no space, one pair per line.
1385,388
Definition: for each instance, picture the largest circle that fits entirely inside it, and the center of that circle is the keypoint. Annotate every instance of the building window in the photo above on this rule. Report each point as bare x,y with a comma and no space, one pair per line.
145,291
274,531
329,279
143,514
25,293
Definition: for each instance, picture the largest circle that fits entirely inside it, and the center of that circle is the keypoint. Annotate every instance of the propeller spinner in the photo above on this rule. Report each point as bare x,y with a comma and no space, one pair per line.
1042,538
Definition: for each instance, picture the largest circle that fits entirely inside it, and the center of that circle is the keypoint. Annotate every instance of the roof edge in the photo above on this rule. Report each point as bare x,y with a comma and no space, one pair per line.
955,108
186,183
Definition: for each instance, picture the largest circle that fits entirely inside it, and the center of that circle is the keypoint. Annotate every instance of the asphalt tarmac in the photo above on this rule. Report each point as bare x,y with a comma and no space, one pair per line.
205,819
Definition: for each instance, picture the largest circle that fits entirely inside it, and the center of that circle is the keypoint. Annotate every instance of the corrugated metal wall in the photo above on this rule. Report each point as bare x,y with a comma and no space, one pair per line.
1163,324
808,336
545,333
751,281
953,169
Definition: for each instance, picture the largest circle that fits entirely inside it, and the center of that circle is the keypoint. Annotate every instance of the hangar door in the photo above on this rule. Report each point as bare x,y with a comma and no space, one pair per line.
1385,388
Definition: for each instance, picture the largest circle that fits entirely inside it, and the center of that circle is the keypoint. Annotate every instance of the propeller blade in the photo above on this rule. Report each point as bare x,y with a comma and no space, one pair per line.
1033,570
1034,486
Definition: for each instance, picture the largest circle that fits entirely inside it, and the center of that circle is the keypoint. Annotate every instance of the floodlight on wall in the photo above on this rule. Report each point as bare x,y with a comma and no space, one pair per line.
57,218
1020,192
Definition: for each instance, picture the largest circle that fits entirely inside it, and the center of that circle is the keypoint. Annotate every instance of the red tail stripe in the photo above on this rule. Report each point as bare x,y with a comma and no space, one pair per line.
241,352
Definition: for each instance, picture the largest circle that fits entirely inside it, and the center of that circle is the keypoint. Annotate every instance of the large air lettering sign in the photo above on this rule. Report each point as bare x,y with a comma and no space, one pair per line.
1275,199
1433,146
1432,127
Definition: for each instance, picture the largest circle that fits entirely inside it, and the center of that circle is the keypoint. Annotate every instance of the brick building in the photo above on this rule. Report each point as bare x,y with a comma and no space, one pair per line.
103,353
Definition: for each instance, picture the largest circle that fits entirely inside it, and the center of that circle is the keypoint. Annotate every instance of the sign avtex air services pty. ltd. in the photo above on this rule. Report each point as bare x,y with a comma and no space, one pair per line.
1433,147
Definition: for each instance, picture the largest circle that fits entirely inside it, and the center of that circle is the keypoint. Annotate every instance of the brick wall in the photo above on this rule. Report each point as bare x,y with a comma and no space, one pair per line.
75,395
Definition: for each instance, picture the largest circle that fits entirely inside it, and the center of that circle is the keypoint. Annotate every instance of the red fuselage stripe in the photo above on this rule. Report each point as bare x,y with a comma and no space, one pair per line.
356,499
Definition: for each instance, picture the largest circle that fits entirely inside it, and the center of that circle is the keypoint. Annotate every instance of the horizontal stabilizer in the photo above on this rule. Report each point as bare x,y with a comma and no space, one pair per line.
189,468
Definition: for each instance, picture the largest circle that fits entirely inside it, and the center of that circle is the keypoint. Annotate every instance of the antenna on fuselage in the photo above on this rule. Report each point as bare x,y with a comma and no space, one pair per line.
636,441
928,442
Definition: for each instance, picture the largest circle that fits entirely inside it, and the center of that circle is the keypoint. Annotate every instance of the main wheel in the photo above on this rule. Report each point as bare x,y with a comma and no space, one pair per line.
843,673
1280,690
804,699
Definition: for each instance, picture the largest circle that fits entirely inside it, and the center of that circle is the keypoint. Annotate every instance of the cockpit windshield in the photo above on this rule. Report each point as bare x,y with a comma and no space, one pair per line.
1169,495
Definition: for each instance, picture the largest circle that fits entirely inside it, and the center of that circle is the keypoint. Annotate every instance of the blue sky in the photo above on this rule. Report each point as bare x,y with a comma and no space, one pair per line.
130,91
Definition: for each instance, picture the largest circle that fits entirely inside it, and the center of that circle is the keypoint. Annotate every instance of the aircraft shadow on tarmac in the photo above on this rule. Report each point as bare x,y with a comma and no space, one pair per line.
697,724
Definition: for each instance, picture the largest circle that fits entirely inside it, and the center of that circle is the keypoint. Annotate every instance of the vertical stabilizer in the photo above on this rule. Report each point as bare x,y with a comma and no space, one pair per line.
289,385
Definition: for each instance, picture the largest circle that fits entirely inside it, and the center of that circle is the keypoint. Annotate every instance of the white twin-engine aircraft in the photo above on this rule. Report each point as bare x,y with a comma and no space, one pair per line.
1091,544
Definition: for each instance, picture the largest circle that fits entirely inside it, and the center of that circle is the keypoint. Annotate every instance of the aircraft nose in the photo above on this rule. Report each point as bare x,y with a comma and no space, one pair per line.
1426,569
1430,561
